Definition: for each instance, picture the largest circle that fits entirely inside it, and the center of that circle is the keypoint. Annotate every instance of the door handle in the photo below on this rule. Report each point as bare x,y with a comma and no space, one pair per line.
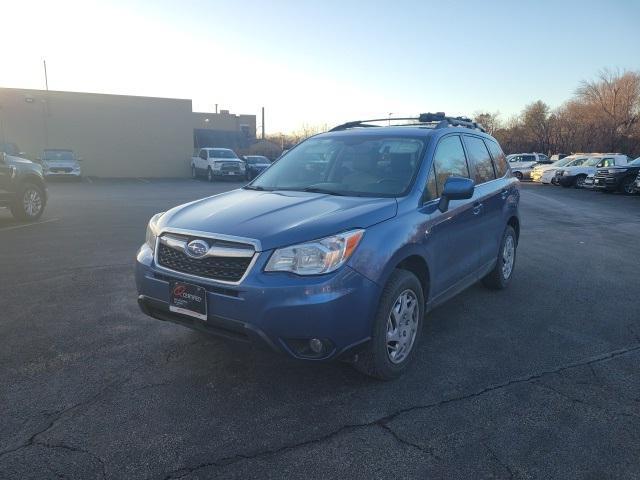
504,194
477,208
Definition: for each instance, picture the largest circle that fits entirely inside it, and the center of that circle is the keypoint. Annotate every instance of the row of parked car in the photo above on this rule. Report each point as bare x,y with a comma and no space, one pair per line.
608,172
217,163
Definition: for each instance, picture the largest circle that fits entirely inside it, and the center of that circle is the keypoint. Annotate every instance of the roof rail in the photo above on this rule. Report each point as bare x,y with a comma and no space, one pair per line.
435,120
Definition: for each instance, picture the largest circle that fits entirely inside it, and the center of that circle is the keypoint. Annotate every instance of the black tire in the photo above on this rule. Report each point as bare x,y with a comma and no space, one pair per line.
194,172
210,177
19,208
496,279
627,186
579,181
375,360
518,175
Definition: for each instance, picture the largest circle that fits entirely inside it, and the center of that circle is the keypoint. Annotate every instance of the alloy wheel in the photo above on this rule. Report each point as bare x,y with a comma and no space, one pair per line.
402,326
32,202
508,256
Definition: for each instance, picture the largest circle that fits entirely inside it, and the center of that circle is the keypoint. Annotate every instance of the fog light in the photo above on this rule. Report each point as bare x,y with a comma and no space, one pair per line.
316,345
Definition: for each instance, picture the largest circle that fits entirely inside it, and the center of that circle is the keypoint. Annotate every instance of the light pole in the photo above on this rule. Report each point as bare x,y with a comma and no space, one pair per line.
390,113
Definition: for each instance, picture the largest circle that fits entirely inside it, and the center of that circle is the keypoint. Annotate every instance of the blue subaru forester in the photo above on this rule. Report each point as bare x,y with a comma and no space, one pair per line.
343,245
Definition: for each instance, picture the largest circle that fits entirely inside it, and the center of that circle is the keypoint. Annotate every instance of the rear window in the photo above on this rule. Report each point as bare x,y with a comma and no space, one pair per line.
499,160
479,159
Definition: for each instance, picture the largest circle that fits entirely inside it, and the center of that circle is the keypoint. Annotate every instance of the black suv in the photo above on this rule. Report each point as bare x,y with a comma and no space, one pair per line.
621,178
22,186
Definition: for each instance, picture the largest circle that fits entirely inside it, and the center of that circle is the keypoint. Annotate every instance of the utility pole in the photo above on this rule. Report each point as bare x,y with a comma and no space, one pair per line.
46,80
262,123
216,108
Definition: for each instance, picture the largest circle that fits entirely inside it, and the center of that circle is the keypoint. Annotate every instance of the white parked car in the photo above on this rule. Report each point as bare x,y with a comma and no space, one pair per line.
545,172
217,163
522,163
574,175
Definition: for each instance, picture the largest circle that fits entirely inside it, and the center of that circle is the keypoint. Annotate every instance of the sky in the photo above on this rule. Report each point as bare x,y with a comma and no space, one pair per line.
316,63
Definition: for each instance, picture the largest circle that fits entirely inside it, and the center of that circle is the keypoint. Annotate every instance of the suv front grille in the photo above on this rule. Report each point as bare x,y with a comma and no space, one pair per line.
227,269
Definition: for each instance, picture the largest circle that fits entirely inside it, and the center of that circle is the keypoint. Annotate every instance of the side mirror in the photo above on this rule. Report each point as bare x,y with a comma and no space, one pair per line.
455,188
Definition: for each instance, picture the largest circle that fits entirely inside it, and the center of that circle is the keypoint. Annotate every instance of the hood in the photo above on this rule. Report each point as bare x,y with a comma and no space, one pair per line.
279,218
23,164
61,163
13,160
217,159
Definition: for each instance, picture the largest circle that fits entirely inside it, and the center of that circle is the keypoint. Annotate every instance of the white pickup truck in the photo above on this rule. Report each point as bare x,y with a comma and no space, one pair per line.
217,163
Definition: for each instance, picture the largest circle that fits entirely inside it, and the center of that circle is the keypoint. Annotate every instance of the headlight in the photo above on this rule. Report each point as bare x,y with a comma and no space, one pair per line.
217,166
152,231
618,170
317,257
566,173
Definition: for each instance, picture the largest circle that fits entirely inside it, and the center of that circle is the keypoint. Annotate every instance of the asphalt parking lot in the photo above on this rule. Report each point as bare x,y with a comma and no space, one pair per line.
538,381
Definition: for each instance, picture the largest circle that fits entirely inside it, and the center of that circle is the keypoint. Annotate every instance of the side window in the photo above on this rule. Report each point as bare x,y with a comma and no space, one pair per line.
607,162
431,192
449,160
479,159
499,160
203,154
528,158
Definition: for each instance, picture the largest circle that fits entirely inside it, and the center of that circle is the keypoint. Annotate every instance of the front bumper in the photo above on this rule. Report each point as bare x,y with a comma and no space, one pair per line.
607,183
72,174
276,310
234,173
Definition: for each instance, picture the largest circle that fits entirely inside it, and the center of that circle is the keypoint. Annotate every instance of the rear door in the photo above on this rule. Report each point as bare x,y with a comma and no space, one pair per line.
451,238
490,195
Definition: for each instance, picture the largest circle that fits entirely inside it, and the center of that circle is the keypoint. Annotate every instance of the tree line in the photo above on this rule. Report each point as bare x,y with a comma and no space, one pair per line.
602,116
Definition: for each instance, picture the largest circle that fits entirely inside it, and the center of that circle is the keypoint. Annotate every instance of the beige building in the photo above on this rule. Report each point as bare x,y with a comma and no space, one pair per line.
116,135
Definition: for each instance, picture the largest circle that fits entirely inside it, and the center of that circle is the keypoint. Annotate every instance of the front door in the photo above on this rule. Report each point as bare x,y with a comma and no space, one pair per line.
451,239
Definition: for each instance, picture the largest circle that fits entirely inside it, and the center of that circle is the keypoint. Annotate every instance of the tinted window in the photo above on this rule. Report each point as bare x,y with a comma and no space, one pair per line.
431,190
479,159
499,160
607,162
449,160
528,158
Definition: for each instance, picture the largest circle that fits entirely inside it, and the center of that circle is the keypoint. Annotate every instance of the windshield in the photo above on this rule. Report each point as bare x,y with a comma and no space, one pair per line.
577,162
57,155
355,165
636,162
592,161
223,153
563,161
9,148
256,160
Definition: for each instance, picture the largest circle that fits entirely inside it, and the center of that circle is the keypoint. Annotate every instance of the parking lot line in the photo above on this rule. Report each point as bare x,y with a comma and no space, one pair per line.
15,227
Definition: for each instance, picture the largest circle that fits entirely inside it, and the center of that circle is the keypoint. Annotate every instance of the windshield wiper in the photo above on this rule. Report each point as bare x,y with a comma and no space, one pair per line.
323,190
254,187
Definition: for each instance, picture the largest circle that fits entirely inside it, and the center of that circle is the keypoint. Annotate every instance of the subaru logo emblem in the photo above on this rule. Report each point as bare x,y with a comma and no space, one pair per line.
196,248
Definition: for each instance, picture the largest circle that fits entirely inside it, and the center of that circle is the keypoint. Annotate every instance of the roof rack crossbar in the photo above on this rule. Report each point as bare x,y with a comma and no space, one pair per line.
438,120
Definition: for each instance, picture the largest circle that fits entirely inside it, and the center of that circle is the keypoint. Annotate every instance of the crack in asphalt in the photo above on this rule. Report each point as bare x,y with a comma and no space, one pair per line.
58,415
384,421
580,401
103,466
